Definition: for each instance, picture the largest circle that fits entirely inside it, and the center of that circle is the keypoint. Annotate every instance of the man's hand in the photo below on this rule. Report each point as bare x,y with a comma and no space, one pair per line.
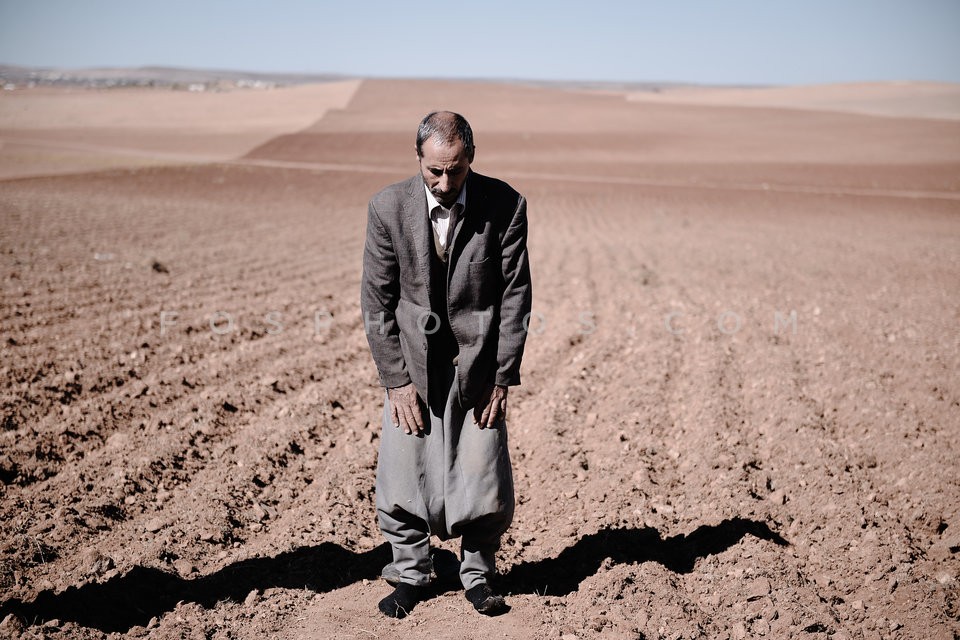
491,408
405,410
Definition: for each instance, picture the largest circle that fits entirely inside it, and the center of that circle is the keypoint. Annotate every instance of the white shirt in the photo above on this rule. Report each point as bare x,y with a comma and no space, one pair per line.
440,216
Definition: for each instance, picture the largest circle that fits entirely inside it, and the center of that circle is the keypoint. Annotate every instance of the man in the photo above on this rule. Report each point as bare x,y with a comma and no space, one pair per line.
445,297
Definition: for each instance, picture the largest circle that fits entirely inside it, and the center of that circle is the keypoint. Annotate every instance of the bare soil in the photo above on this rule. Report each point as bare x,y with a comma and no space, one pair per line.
740,399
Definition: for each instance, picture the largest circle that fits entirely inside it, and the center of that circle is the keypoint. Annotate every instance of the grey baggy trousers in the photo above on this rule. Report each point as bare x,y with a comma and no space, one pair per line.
454,480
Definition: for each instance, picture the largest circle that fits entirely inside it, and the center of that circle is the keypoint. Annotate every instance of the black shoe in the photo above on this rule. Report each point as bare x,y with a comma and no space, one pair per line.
486,601
402,601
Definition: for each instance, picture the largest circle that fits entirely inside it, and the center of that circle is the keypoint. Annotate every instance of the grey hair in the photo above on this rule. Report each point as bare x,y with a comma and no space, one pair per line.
448,126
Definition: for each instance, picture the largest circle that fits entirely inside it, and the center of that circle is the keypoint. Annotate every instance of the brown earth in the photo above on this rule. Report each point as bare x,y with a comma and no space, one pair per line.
740,398
898,99
45,131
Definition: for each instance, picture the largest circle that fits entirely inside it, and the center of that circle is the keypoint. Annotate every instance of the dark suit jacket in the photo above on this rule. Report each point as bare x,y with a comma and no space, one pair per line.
489,292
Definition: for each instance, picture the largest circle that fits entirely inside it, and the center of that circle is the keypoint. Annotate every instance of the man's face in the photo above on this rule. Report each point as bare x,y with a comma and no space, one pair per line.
444,167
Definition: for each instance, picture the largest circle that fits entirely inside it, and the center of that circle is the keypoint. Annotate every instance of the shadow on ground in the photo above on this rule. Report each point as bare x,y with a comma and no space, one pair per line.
143,592
563,574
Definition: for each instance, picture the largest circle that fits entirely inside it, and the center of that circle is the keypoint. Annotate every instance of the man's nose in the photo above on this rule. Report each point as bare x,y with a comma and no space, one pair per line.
444,183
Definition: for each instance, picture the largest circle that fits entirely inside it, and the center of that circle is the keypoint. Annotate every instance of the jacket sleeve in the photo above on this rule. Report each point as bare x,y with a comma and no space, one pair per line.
517,297
379,295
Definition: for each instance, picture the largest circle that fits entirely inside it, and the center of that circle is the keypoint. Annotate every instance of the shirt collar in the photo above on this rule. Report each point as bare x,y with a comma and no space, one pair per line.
433,204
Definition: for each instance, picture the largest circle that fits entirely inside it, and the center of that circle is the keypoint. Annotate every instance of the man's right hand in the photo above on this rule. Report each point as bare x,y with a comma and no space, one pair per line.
405,410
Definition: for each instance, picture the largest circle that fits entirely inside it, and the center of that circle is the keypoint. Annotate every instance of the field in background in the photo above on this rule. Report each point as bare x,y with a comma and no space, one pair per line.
740,397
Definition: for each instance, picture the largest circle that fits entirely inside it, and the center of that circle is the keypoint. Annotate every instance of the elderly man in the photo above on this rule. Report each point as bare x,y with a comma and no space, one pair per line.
446,298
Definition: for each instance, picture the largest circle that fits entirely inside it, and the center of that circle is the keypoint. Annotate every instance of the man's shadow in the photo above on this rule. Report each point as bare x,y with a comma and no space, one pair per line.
563,574
135,597
138,595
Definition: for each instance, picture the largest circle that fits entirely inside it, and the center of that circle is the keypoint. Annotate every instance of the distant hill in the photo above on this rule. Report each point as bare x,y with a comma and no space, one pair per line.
938,100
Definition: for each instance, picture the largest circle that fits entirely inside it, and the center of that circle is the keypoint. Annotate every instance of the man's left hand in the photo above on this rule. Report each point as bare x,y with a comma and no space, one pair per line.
492,407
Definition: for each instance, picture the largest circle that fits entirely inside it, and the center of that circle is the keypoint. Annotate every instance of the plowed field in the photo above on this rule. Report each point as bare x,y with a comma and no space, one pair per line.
740,409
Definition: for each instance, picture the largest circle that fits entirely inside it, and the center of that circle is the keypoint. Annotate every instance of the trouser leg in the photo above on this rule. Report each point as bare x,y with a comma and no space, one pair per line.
410,543
481,508
402,511
478,559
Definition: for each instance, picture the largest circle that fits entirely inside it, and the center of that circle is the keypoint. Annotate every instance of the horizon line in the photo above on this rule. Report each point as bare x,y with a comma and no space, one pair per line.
335,75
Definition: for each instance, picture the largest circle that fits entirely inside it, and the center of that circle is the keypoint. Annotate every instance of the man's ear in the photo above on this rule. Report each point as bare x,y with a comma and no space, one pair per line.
470,155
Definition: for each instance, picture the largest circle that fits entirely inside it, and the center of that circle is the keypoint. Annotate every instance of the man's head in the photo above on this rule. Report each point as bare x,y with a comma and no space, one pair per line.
444,150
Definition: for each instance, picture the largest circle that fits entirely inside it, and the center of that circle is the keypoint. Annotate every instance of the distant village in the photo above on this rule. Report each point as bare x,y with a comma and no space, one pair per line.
13,78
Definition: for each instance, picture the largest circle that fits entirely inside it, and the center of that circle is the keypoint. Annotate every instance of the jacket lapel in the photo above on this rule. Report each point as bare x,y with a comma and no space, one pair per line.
415,219
472,211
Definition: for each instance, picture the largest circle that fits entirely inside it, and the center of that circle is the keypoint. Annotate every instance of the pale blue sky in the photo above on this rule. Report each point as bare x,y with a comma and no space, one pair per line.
722,42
